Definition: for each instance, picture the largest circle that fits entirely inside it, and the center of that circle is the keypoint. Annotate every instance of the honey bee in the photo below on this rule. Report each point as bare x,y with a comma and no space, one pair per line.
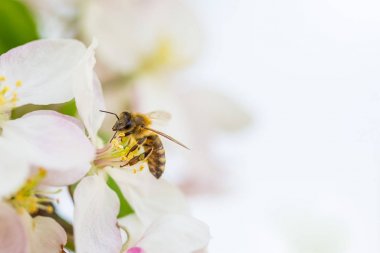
138,125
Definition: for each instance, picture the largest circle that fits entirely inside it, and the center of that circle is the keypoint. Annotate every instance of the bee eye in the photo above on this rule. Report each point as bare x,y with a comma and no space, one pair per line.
128,124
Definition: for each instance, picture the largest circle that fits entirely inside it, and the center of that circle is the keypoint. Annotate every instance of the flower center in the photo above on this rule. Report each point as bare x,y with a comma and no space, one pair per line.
161,56
30,198
8,97
118,153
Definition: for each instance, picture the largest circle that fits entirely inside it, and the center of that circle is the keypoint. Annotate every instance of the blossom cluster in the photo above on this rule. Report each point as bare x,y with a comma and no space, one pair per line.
116,209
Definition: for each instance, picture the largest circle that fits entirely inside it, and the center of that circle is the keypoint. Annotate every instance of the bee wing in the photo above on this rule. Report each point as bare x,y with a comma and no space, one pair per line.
160,116
166,136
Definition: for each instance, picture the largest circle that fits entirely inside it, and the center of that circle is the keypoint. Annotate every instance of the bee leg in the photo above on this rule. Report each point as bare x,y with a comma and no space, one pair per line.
139,158
113,136
138,144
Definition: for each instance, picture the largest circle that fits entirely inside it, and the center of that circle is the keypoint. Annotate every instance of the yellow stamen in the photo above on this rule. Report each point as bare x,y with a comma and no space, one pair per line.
18,83
30,198
4,90
8,97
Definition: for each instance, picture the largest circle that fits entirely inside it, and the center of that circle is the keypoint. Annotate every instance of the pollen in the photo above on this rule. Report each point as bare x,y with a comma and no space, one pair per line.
8,96
32,199
117,153
18,83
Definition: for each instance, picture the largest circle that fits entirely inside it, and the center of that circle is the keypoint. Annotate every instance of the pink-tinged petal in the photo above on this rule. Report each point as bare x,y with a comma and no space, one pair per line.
45,235
48,69
149,197
52,141
175,234
95,217
135,250
14,170
13,237
89,96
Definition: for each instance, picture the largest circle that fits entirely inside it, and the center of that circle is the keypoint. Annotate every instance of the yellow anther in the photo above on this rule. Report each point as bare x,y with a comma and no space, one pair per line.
14,98
141,168
134,171
2,100
18,83
2,78
121,134
42,172
4,90
124,158
30,198
49,209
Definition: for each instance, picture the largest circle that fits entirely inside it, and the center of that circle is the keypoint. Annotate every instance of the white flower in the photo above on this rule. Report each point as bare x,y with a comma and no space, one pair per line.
142,35
173,234
19,232
96,226
42,72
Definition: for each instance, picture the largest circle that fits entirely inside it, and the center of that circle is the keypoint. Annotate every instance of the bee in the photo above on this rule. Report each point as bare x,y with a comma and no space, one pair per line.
138,126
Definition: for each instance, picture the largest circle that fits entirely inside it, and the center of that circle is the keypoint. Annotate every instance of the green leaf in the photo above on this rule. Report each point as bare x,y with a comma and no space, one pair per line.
17,25
125,207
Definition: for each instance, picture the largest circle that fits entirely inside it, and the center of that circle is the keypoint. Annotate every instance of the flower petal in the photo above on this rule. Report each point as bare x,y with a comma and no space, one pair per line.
216,110
48,69
13,237
89,97
95,217
14,170
154,33
134,226
52,141
45,234
175,234
149,197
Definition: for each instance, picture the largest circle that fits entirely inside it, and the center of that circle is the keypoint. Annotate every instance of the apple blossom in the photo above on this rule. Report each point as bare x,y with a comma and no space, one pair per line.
19,232
43,72
173,234
42,147
96,223
142,35
97,227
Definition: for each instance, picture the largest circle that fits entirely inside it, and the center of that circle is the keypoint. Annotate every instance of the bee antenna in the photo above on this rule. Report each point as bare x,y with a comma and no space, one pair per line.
110,113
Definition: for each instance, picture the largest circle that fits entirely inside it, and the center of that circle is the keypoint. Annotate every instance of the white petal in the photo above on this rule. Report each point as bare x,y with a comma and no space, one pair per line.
149,197
13,237
14,169
89,96
145,24
45,235
216,110
134,226
89,100
95,217
47,69
52,141
175,234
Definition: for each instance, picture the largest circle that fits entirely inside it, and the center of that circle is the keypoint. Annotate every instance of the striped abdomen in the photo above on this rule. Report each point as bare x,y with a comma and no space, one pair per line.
156,160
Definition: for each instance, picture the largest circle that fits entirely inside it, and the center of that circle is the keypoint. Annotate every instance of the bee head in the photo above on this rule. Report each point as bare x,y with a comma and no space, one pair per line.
124,123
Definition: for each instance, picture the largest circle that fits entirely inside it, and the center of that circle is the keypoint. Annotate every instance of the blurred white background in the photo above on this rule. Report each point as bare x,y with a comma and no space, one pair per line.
305,177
